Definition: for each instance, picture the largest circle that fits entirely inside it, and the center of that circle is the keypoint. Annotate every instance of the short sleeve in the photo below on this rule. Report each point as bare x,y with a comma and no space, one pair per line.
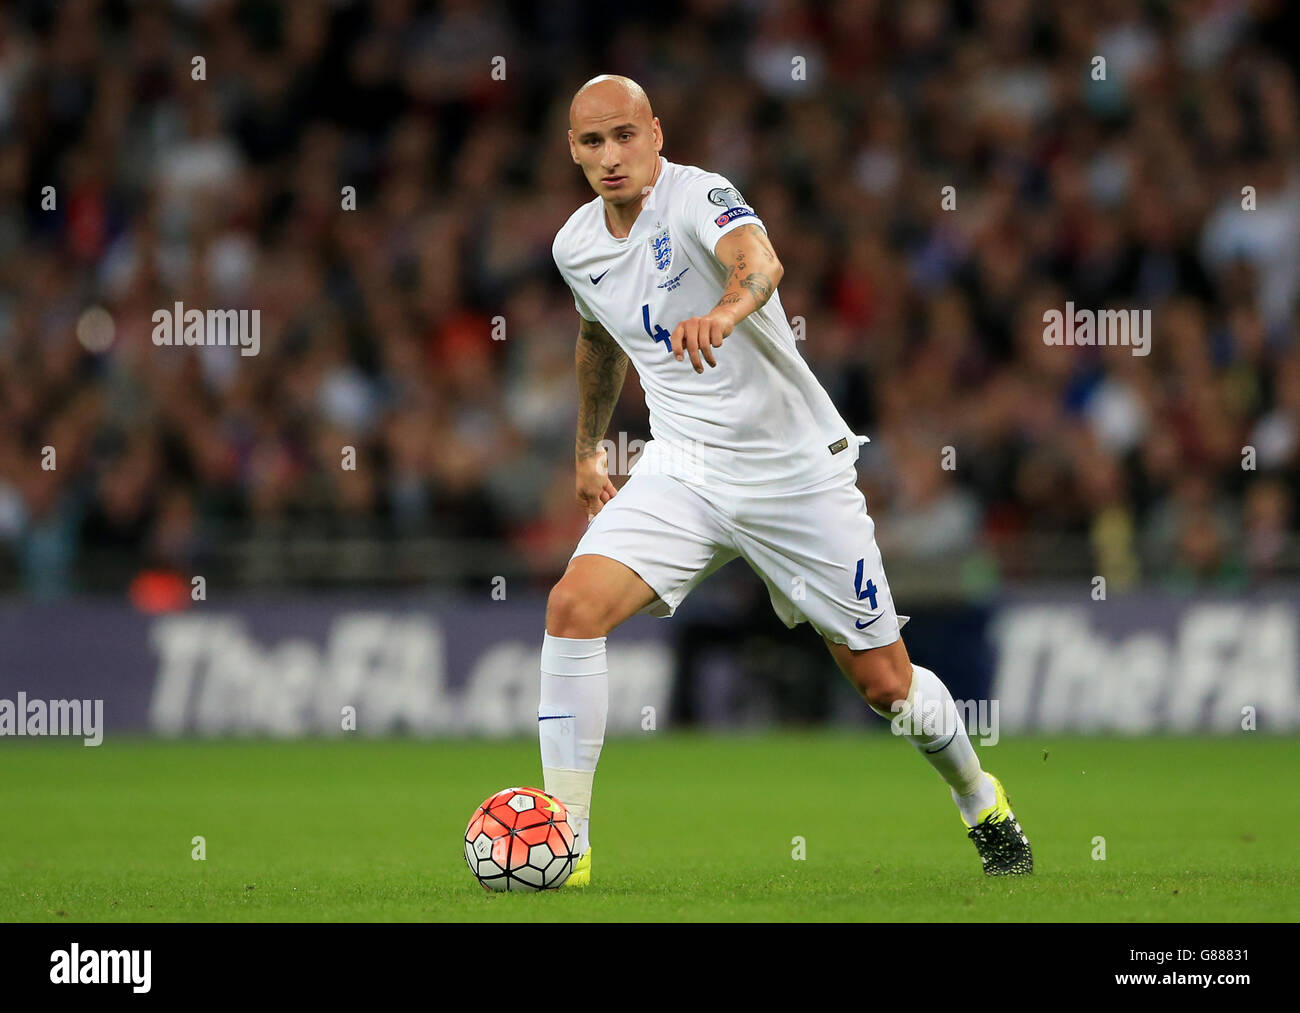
583,309
714,207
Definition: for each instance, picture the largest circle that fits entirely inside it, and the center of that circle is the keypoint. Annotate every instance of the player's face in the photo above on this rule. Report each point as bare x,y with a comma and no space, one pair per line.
617,149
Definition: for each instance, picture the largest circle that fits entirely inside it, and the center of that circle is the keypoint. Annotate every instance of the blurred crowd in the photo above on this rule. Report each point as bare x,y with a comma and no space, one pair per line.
383,181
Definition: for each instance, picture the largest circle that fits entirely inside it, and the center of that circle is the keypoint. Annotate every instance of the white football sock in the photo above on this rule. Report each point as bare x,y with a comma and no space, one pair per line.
571,717
929,720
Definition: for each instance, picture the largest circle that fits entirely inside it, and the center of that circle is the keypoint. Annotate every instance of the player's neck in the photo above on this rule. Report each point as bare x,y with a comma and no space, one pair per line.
619,219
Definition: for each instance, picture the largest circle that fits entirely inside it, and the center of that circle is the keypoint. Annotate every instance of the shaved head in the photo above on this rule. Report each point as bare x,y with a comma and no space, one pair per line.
611,91
615,137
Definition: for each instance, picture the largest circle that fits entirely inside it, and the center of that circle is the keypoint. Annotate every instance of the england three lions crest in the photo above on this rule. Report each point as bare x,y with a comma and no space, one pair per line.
661,246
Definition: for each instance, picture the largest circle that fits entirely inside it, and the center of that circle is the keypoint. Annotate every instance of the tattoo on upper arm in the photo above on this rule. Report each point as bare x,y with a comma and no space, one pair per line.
602,366
593,330
756,282
760,236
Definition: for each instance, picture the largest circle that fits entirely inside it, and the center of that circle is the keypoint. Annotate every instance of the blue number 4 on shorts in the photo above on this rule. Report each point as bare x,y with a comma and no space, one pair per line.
868,592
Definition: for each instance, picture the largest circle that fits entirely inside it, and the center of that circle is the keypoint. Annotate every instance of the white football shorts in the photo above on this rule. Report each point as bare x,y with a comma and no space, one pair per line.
815,550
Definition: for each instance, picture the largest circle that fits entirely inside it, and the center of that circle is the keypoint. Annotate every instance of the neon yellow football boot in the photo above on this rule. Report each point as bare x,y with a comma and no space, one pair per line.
581,874
1002,845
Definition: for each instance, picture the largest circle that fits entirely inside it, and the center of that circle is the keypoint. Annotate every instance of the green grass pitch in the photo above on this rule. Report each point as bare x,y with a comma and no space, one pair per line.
687,827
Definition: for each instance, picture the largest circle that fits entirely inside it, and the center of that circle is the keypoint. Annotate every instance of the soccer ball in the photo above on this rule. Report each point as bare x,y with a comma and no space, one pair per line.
520,839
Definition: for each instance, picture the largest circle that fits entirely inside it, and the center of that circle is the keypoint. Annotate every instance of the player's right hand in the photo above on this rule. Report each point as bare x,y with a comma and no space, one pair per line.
594,487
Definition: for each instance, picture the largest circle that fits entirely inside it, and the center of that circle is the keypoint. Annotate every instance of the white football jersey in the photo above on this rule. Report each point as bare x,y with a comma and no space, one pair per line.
759,421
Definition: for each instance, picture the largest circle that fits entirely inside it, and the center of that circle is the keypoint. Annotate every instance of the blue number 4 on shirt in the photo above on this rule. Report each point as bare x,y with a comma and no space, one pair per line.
658,334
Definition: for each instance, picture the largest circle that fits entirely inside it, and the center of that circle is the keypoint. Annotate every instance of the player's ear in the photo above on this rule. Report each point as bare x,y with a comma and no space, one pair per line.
573,152
659,135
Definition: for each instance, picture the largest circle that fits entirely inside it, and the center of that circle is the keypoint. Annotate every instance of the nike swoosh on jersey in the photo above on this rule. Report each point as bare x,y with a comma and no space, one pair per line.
596,281
862,626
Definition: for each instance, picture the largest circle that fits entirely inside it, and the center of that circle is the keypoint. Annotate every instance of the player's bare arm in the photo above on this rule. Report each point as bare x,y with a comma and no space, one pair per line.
753,274
602,367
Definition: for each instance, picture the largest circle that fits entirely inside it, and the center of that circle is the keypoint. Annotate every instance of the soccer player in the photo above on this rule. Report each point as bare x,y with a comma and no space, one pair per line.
749,457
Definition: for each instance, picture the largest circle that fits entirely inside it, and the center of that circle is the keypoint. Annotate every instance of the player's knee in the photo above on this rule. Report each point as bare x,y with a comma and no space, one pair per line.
885,682
572,611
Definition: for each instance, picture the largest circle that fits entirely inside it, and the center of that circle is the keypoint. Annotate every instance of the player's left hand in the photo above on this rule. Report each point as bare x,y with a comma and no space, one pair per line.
700,335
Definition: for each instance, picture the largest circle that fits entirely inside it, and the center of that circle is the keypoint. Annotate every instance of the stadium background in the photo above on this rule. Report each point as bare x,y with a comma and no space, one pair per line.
311,675
426,327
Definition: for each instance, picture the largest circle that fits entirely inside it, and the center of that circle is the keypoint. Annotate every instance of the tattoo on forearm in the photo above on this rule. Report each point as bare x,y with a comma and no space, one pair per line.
602,367
760,285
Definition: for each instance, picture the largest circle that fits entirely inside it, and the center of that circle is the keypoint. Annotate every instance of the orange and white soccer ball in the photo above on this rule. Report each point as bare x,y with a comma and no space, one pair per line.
520,839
